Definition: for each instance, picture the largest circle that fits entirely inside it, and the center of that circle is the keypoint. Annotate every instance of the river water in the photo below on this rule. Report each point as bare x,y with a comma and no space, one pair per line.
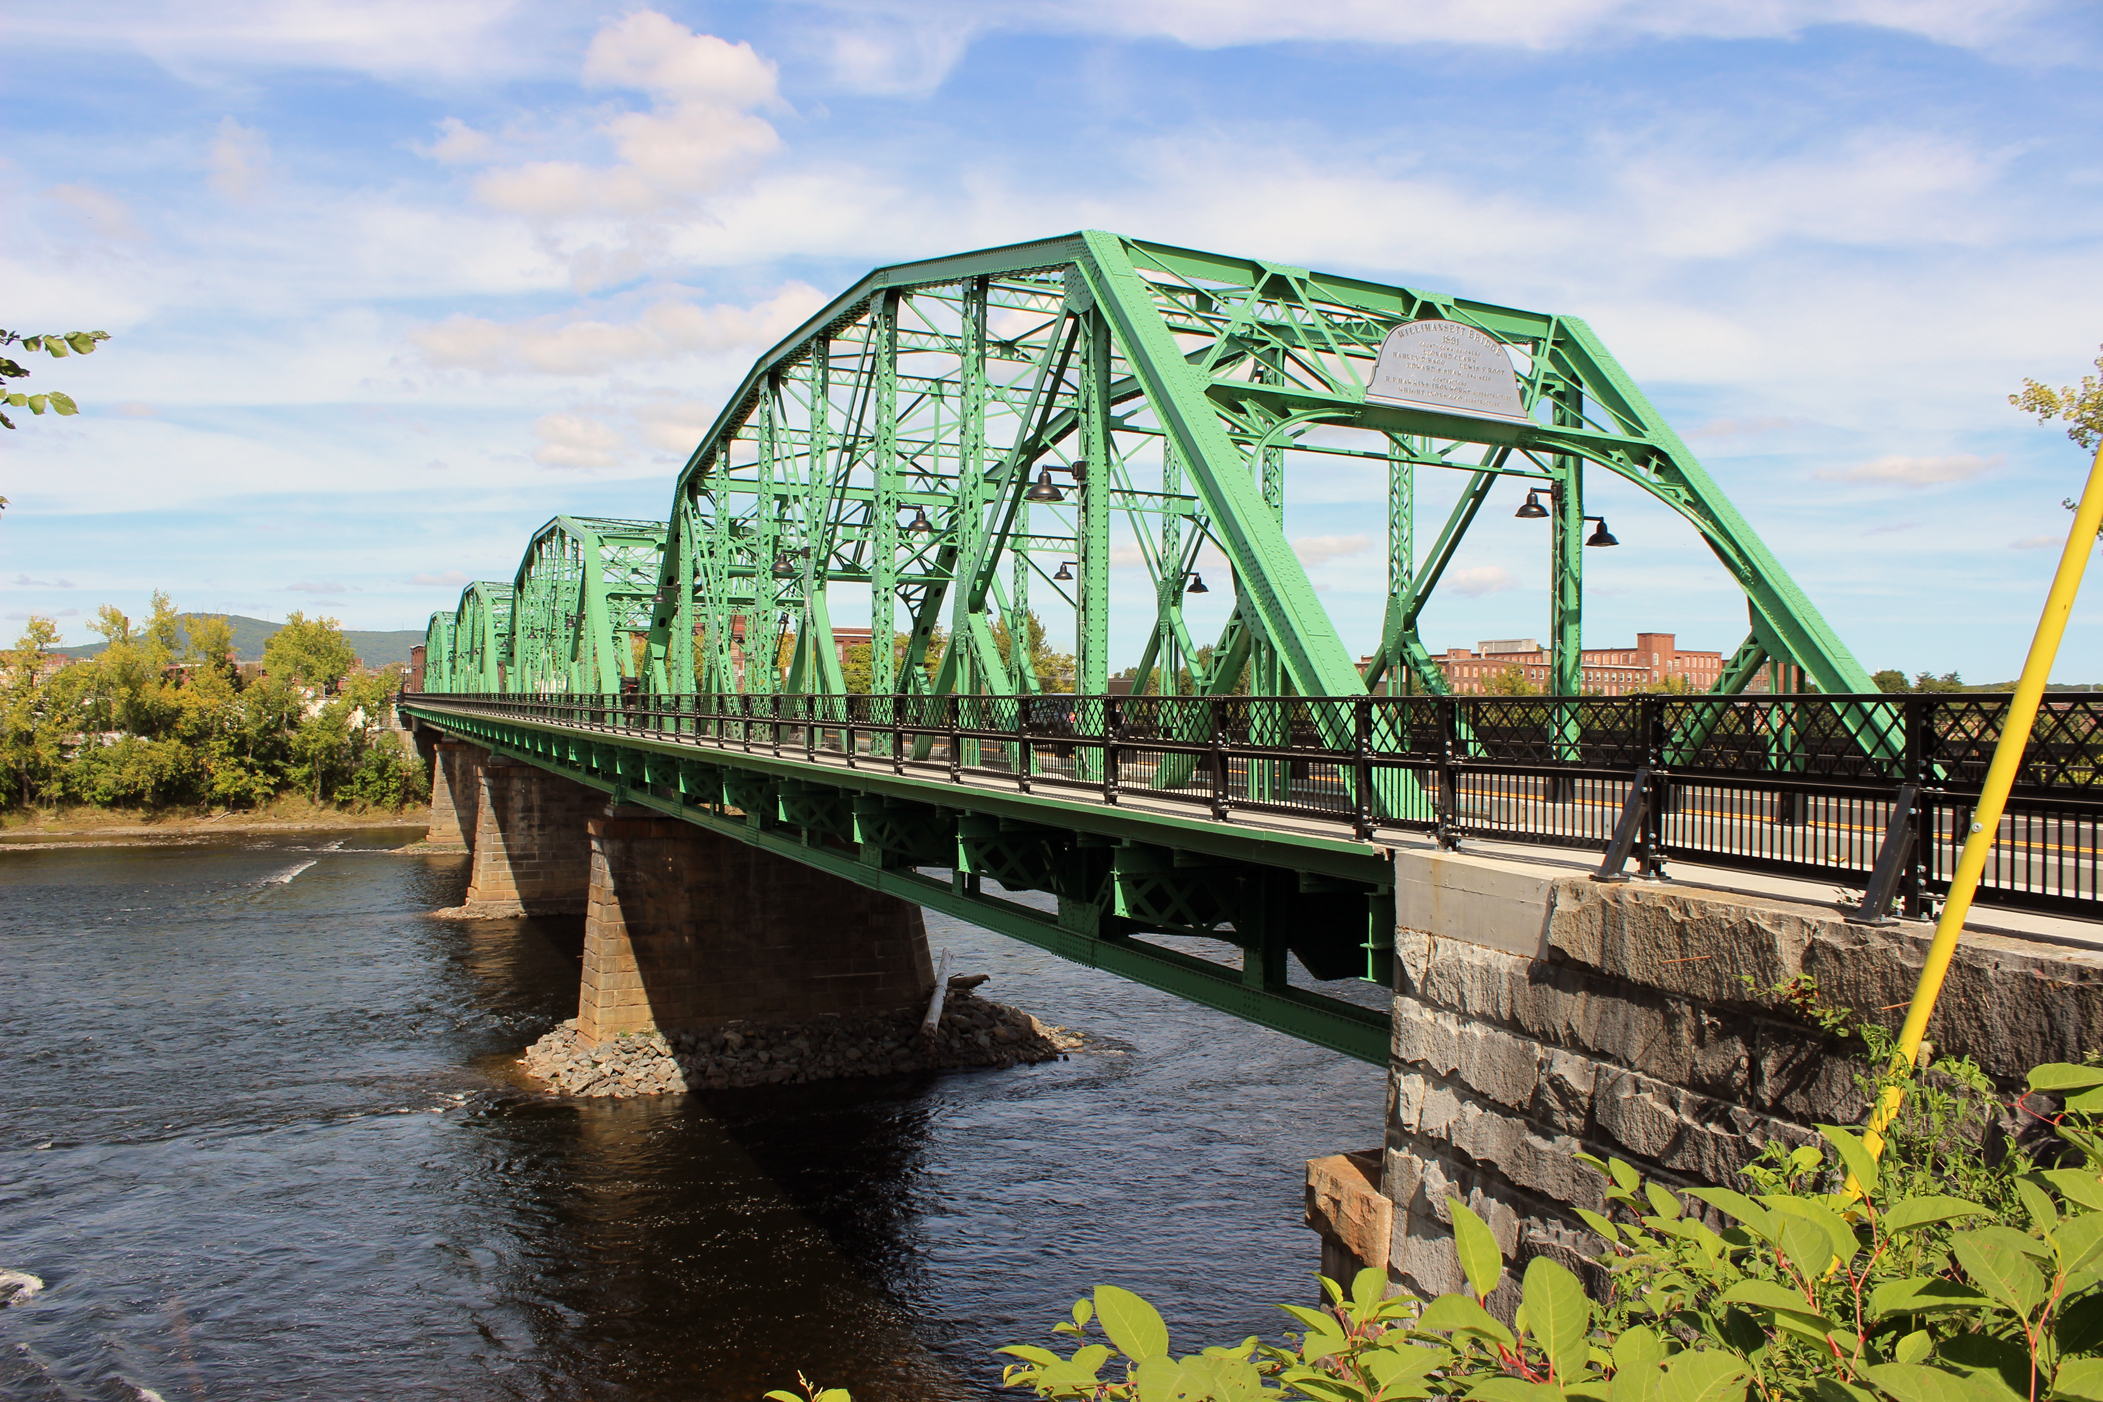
257,1141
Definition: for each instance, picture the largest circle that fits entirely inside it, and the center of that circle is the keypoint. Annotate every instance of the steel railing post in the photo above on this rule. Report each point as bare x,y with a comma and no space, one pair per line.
1216,708
1447,711
956,746
1660,781
1113,725
1920,744
1022,742
1362,738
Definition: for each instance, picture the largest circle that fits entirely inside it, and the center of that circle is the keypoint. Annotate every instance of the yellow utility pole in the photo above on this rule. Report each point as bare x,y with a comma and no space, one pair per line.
1993,798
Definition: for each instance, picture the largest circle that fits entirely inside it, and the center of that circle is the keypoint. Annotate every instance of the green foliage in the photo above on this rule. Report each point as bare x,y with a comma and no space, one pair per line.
1930,1274
1799,997
857,667
1892,680
310,652
2081,409
1055,670
163,717
58,345
1510,681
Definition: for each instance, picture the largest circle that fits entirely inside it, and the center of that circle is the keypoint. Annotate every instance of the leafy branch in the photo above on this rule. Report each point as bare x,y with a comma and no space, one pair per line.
58,345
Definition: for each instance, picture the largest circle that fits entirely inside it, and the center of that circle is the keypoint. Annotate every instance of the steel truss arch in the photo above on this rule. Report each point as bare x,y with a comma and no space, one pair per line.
584,591
481,637
898,445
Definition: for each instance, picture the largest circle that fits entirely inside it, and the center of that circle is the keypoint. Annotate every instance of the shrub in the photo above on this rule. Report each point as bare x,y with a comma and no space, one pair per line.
1839,1279
389,776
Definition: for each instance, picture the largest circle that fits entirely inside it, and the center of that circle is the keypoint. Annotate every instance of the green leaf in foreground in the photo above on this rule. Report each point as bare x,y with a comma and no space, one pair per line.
1861,1164
1132,1324
1918,1382
2061,1075
2000,1270
1557,1313
2080,1377
1477,1246
1710,1376
1457,1314
1915,1213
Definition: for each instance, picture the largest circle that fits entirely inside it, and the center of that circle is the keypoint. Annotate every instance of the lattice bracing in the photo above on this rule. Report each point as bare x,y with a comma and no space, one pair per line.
954,443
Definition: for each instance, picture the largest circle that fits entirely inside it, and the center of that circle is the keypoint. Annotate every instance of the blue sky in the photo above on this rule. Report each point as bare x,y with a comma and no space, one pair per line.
389,284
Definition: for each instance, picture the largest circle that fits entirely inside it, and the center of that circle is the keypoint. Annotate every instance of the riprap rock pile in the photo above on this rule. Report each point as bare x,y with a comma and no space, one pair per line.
973,1031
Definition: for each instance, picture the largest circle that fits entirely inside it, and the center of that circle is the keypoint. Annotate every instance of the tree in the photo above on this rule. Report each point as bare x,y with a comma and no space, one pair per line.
1055,670
32,731
1891,679
1511,681
309,652
2082,408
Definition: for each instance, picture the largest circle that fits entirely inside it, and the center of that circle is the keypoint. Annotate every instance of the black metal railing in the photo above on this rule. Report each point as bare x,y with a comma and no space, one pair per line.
1810,785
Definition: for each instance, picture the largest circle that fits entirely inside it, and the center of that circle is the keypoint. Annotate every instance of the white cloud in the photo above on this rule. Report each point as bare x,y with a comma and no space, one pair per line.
909,45
23,581
137,409
575,440
457,143
699,135
1478,580
1743,428
103,213
322,587
391,39
1314,549
240,160
453,579
553,346
675,425
2038,542
1881,188
1903,471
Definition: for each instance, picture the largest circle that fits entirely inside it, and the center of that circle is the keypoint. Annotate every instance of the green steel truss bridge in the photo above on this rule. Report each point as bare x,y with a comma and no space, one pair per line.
953,443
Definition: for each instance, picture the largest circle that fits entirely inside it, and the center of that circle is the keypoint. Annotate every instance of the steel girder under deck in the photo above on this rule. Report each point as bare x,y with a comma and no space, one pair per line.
1116,876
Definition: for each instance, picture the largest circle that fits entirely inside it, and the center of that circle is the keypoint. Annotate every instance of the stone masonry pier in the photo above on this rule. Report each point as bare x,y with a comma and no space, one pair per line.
1537,1014
684,929
688,929
456,794
532,852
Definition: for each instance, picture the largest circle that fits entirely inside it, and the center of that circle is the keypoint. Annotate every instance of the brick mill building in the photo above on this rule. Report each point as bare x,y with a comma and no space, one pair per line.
1609,671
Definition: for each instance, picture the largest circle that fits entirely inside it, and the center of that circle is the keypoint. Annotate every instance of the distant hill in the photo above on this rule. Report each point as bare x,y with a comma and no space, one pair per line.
373,649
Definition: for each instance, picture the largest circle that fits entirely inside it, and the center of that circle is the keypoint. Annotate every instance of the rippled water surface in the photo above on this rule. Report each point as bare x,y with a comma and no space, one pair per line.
256,1140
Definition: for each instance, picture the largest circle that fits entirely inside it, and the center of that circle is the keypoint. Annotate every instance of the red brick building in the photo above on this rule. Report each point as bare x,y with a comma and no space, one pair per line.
1608,671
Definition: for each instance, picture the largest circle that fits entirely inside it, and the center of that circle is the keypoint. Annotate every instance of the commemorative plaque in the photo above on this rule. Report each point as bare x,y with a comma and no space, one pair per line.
1445,365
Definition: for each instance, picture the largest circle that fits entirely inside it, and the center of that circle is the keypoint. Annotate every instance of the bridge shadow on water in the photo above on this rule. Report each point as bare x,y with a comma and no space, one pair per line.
286,1159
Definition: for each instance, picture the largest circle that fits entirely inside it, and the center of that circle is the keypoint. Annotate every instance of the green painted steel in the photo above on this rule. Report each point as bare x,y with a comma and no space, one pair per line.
952,442
586,589
1116,875
878,466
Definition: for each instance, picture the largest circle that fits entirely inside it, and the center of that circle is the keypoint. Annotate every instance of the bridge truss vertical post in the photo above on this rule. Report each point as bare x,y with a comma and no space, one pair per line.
968,522
763,631
883,522
1401,546
1093,660
1567,561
